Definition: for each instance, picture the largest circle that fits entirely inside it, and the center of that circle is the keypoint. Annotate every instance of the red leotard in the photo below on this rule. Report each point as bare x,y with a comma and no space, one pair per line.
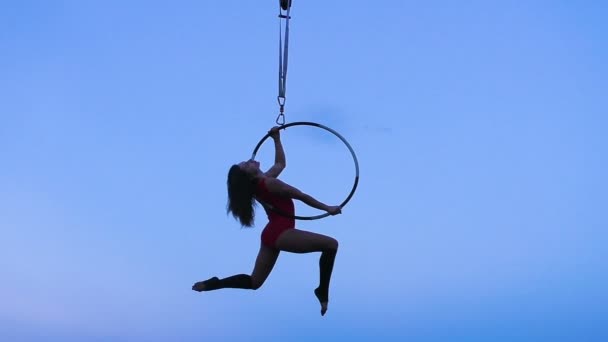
277,223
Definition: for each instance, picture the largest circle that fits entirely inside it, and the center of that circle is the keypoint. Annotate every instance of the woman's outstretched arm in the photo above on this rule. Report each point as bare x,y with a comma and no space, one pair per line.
279,155
282,188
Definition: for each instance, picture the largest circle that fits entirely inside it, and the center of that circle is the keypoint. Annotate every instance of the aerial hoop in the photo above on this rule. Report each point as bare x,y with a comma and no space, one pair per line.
352,152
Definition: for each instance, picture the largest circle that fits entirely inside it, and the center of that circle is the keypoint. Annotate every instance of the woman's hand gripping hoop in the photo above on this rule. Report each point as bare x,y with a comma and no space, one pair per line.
352,152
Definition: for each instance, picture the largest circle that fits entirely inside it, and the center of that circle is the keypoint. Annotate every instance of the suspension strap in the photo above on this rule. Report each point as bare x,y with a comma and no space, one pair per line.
283,57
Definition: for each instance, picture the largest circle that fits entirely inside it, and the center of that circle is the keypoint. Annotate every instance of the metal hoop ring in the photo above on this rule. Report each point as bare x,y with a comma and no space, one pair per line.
352,152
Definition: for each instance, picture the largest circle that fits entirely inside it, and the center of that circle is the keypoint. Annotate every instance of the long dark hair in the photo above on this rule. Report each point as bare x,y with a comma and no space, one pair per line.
241,201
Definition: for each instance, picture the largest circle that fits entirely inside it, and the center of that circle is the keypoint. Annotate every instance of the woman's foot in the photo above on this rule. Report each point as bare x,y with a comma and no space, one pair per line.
205,285
322,297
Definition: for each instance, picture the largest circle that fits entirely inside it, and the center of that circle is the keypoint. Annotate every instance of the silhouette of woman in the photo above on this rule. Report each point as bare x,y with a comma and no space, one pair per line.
246,184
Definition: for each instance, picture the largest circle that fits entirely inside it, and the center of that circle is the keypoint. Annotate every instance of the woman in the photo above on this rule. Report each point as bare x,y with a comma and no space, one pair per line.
246,184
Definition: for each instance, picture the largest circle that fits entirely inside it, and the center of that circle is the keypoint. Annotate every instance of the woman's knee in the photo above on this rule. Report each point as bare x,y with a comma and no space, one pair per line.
256,283
332,244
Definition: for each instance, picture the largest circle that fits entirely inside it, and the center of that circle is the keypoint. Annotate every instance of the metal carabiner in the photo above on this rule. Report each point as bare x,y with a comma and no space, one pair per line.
281,100
281,117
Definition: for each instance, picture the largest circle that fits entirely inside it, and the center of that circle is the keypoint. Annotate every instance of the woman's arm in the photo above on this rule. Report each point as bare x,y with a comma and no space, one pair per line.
281,188
279,155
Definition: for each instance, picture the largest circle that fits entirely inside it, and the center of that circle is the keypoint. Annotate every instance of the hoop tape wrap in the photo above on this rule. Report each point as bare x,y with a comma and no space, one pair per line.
352,152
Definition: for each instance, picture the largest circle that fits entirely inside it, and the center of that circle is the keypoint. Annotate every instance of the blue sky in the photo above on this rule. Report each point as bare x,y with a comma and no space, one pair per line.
480,132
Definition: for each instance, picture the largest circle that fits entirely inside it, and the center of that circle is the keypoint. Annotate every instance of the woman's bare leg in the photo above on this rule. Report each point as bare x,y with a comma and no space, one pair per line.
300,241
264,264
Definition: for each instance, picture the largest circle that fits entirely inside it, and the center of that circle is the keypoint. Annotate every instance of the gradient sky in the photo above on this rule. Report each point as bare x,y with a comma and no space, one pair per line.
480,128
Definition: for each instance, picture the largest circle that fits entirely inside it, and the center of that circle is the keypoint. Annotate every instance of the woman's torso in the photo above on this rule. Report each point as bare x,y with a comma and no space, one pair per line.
284,205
